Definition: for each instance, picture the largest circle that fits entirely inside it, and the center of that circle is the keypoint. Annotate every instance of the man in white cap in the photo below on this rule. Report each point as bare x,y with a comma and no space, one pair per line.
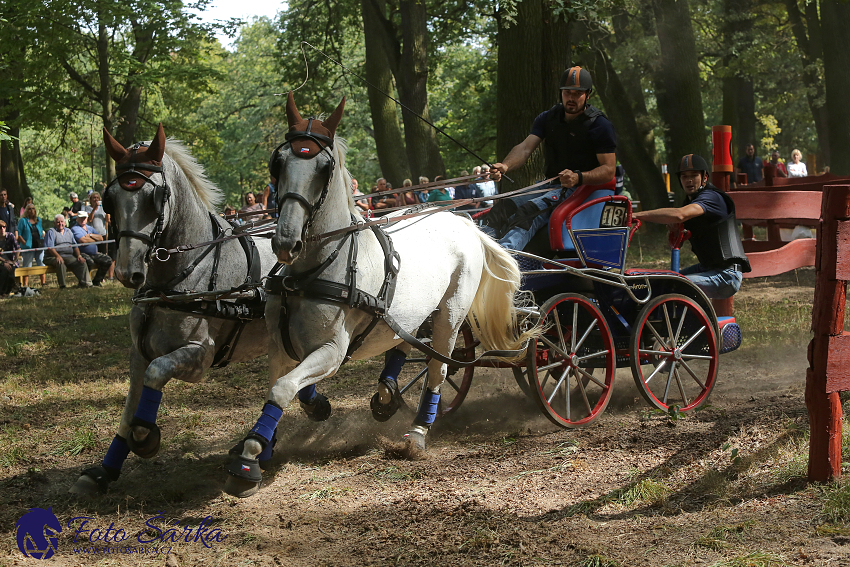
62,255
84,233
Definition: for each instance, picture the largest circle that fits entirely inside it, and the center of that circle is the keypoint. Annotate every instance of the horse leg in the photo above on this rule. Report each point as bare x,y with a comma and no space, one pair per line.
188,362
444,337
245,472
386,401
97,478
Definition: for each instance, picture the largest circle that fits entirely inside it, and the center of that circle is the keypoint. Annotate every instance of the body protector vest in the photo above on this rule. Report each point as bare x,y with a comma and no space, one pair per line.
717,242
568,144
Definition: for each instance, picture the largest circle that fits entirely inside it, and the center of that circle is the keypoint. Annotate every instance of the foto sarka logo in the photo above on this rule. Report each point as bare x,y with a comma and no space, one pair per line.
36,533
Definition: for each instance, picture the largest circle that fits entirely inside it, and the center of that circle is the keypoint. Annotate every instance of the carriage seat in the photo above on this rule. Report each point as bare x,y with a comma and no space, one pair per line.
559,234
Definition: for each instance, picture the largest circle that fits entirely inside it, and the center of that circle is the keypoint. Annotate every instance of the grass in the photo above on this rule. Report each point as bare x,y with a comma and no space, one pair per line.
597,560
81,440
836,502
647,490
325,493
754,559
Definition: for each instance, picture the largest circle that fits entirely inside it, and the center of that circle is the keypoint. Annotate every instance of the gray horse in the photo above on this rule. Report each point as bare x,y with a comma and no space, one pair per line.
162,199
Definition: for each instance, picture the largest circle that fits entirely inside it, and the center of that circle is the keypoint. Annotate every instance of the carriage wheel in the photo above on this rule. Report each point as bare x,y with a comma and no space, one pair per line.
673,353
562,361
456,386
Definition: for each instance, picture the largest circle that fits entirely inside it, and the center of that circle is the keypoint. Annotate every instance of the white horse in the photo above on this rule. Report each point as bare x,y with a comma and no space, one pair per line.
162,198
321,314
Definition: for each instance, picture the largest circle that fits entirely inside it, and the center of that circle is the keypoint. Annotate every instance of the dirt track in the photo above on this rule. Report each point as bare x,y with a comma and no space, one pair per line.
500,484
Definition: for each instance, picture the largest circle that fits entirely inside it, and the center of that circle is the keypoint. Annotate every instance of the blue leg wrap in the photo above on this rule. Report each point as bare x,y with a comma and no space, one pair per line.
267,423
307,393
148,405
117,453
267,451
393,363
427,409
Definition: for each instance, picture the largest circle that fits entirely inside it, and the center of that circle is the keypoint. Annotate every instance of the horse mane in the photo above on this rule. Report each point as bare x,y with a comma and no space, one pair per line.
210,195
340,151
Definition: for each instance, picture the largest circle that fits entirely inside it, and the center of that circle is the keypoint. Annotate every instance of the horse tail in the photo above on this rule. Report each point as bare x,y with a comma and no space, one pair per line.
494,316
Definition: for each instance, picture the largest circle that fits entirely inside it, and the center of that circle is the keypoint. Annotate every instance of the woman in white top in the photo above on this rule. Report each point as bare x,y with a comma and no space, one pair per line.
97,218
797,168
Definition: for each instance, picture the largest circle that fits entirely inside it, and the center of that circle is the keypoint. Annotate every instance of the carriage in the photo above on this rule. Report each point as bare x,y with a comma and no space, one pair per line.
599,316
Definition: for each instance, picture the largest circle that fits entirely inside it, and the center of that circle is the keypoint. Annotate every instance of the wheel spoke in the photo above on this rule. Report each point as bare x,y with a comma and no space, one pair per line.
545,379
558,327
590,376
412,382
669,380
567,401
669,326
681,322
553,346
681,389
452,384
583,394
558,385
657,336
696,357
694,376
656,371
575,324
594,355
548,366
655,352
694,336
585,335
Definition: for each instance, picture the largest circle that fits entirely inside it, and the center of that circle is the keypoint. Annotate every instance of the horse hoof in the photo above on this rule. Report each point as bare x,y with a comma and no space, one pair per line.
414,445
240,487
386,401
85,486
319,409
149,446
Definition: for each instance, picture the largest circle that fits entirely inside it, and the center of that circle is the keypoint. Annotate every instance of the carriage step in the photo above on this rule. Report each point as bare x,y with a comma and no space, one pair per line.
730,337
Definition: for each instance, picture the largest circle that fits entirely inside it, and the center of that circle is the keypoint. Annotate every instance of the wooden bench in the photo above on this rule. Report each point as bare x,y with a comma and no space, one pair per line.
39,270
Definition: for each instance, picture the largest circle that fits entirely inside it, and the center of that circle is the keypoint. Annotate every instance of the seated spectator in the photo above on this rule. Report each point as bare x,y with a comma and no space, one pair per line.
361,203
27,201
99,221
30,236
269,196
230,215
251,205
487,186
381,201
779,169
469,191
84,233
408,197
441,194
797,168
9,244
7,274
7,212
62,255
423,195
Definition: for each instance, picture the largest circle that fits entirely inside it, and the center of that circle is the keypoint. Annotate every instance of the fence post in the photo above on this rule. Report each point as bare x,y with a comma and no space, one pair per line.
829,350
721,171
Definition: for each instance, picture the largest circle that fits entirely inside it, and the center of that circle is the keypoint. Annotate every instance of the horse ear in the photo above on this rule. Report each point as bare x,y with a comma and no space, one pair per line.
157,147
115,150
292,115
333,120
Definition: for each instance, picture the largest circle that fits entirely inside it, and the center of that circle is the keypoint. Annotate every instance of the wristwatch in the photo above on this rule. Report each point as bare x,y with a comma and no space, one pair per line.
580,176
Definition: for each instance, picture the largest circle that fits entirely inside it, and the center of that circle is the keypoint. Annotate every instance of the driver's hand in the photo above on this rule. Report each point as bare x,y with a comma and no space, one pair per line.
496,171
568,178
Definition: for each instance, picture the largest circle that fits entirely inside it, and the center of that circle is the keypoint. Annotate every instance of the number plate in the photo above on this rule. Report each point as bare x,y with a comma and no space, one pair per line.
614,215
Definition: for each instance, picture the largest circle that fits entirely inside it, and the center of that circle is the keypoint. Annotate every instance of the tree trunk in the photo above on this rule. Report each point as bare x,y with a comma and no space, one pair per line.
131,100
739,112
630,150
105,91
389,142
835,15
12,177
519,95
807,32
677,83
423,151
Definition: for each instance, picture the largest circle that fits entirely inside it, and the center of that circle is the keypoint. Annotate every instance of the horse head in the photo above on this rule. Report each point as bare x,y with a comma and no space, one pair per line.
136,200
303,167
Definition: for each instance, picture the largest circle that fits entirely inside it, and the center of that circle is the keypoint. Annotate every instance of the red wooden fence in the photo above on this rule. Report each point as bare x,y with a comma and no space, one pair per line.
829,351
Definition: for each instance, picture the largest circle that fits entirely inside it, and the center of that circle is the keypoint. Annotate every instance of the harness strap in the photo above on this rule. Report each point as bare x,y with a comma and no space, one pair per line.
191,267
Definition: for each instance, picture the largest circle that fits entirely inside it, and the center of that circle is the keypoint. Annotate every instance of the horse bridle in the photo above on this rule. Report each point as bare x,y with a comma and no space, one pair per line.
324,142
161,195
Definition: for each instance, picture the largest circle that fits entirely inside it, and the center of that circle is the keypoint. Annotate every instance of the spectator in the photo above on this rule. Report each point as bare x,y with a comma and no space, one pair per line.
251,205
76,207
8,244
62,255
751,164
269,196
469,191
99,221
66,212
779,169
408,197
441,194
797,168
7,270
27,201
487,185
423,195
7,212
31,235
84,233
382,201
361,203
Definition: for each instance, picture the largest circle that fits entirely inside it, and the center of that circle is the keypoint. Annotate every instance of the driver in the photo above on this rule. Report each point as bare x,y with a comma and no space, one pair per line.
709,214
580,150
